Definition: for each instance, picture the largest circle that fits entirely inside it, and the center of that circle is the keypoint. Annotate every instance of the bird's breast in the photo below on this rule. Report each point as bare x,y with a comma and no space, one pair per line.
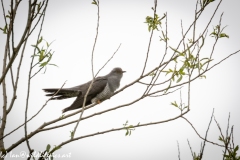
105,94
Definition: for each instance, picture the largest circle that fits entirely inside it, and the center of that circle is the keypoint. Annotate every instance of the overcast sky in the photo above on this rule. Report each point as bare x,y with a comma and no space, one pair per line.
72,27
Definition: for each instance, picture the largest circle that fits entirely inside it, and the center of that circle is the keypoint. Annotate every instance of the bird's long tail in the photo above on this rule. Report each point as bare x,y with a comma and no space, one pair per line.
66,109
61,94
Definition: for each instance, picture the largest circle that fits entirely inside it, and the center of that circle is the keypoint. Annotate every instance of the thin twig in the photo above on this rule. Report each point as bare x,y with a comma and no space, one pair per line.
216,40
90,86
202,148
183,37
178,151
195,18
200,135
150,39
190,149
108,59
166,42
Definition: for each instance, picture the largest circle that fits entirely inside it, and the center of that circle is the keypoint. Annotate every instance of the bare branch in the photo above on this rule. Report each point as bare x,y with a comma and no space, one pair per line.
108,59
223,59
199,134
202,148
190,148
178,151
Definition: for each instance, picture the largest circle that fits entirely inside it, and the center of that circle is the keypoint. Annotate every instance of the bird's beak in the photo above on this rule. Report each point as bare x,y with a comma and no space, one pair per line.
123,71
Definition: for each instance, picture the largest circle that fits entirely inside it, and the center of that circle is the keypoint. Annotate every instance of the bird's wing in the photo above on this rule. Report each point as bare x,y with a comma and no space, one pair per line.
97,86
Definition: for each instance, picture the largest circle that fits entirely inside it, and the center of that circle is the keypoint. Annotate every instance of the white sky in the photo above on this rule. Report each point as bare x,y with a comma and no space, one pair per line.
73,27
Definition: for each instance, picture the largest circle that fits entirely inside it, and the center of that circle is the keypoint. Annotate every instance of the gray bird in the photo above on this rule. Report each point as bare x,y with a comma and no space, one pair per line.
102,88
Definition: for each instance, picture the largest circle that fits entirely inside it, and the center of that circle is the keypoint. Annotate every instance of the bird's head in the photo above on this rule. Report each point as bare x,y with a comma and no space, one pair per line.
117,71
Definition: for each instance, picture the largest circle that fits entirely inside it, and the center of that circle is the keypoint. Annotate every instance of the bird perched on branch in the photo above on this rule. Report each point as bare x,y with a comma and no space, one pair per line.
102,88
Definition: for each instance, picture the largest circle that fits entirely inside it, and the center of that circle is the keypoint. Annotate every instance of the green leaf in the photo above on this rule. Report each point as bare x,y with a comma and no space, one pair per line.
176,50
71,134
203,76
181,54
185,107
203,40
125,124
43,64
7,16
41,56
236,149
53,64
204,59
36,48
48,147
190,40
4,29
130,126
94,2
223,35
62,116
181,70
40,40
220,138
126,133
173,79
152,74
174,104
179,79
213,34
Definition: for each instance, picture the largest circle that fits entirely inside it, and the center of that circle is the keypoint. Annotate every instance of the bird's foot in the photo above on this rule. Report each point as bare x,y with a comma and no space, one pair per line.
98,101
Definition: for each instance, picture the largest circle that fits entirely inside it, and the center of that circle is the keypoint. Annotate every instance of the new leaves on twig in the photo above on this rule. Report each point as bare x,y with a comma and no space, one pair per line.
48,154
218,32
154,22
180,106
44,55
129,128
5,29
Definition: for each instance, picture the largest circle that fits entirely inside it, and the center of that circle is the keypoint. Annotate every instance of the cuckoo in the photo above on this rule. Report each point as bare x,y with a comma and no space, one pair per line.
102,88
